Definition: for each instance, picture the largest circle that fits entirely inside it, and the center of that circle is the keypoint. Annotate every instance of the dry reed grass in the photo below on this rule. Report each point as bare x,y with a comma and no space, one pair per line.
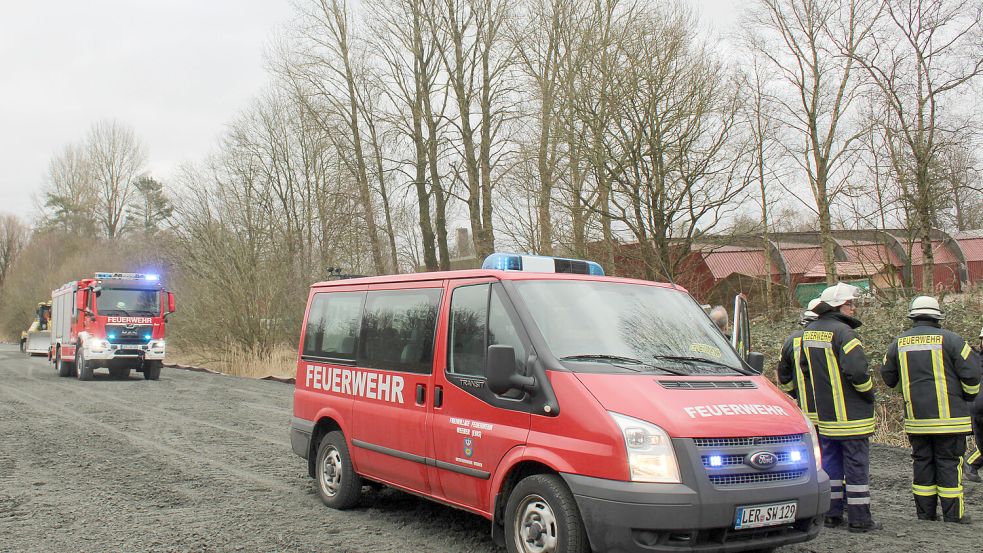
281,361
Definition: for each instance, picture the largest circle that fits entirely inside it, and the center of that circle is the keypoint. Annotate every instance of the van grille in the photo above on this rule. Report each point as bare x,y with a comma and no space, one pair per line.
707,384
734,460
744,479
747,441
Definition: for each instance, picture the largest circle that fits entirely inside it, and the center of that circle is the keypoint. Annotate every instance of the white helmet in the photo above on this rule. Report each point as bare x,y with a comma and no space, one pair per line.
837,295
810,312
925,306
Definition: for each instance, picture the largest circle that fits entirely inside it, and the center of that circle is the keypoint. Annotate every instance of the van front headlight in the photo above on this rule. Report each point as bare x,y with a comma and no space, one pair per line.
651,457
817,452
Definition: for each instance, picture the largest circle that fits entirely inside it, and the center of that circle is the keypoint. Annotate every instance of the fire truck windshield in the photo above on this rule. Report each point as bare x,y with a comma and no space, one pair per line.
633,326
128,302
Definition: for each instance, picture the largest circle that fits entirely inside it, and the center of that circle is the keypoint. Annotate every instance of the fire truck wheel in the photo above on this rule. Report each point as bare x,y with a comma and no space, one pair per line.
82,369
151,370
337,483
119,372
64,368
542,517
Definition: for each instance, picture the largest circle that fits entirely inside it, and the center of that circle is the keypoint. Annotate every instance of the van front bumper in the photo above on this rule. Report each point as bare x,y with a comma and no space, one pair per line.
645,518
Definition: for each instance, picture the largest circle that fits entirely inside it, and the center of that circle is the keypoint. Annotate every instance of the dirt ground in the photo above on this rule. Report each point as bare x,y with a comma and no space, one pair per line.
199,462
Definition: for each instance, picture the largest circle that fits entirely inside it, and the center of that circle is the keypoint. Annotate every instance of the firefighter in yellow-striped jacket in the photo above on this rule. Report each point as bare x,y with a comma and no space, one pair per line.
791,378
836,365
938,373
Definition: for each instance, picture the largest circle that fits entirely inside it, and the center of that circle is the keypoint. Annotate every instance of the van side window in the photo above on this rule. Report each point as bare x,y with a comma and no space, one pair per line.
333,325
469,315
398,328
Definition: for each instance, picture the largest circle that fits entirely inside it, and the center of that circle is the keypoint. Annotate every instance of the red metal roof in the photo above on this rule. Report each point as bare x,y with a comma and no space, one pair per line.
800,259
727,259
941,254
867,252
972,248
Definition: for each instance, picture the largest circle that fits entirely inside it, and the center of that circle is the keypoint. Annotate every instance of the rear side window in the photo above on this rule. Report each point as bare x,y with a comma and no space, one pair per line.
333,325
398,328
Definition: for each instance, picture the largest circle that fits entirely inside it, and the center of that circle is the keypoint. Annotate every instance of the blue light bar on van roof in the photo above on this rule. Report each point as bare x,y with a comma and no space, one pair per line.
540,264
128,276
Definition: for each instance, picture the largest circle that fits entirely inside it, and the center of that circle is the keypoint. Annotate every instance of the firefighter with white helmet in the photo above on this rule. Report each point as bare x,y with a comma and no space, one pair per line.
975,461
791,378
834,359
938,373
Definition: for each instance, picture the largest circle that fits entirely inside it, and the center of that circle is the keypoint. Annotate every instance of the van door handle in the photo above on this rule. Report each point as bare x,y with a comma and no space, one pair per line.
421,394
438,396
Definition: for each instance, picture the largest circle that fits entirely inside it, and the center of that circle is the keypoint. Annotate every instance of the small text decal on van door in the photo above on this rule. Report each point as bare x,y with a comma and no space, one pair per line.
353,382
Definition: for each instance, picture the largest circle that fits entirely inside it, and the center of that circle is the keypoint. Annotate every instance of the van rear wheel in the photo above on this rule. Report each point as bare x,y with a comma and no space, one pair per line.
337,484
542,517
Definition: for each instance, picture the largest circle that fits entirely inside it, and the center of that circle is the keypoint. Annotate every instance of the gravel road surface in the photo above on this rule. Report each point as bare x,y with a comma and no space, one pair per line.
199,462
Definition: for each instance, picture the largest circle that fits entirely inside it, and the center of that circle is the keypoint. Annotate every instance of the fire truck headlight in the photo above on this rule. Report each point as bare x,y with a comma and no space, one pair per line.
651,457
156,344
99,345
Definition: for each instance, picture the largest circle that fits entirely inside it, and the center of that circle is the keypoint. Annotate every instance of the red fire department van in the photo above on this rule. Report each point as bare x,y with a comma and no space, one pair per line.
575,411
114,320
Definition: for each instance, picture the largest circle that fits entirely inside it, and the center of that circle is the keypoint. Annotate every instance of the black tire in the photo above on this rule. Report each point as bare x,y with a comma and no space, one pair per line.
82,369
151,370
338,486
121,373
542,516
63,367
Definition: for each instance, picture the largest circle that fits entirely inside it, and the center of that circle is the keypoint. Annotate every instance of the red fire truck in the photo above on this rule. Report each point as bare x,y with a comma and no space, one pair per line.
114,320
577,412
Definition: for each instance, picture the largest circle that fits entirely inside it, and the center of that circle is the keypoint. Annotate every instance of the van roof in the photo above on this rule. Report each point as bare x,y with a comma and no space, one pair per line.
482,273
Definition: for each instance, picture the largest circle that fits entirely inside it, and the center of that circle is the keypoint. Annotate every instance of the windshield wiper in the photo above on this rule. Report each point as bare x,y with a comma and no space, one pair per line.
692,358
619,361
602,357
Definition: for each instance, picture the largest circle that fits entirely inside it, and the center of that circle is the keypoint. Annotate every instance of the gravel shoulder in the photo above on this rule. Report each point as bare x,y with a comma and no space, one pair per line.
200,462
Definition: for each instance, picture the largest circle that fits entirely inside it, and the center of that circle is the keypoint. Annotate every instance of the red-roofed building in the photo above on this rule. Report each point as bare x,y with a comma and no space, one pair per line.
971,244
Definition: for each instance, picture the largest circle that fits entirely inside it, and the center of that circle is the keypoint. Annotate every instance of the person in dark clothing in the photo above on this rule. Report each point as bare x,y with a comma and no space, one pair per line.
791,378
938,373
834,359
975,461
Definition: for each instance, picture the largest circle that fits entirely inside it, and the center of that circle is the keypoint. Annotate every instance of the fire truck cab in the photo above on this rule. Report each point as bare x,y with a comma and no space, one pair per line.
577,412
114,320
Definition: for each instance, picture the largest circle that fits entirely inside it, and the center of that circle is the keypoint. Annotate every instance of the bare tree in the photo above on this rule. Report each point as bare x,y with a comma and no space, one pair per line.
811,45
117,159
923,54
70,197
14,234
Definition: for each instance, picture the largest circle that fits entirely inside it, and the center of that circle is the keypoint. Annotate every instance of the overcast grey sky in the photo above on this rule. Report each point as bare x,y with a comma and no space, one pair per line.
176,70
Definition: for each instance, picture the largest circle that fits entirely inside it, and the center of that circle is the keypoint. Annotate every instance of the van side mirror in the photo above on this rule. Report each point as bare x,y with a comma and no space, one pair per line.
80,301
502,372
170,302
756,360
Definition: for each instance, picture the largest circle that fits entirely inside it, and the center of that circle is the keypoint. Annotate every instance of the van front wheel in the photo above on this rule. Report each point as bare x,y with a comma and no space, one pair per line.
337,483
542,517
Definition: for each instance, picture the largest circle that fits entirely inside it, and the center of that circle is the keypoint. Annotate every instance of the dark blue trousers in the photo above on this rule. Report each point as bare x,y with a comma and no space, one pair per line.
847,462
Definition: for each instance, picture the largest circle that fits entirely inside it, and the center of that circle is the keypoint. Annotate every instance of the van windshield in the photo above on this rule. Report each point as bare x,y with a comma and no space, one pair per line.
632,326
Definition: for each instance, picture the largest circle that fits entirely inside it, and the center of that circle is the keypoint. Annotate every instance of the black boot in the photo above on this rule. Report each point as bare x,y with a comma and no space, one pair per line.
864,527
833,522
964,520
